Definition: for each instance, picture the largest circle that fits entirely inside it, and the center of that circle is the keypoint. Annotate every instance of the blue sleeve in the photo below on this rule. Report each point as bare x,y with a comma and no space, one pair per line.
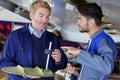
8,57
64,60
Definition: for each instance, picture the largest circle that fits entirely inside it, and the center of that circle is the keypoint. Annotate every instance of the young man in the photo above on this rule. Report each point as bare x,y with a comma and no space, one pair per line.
98,59
26,46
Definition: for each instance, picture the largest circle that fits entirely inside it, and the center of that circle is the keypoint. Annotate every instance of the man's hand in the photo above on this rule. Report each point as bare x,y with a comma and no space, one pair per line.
69,69
32,77
56,55
71,51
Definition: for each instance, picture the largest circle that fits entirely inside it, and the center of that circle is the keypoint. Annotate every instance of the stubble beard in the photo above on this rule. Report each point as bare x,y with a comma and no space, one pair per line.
84,29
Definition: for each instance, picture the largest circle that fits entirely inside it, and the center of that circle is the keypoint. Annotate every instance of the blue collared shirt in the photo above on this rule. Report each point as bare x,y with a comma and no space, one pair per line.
32,31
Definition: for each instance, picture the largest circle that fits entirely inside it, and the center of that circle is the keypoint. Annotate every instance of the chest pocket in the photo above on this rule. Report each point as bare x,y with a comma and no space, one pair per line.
23,51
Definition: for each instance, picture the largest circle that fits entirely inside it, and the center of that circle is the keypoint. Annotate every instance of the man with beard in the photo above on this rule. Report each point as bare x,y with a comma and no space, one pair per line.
98,59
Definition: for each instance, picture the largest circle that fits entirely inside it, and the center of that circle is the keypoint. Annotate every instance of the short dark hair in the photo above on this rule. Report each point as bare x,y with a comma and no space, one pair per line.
91,10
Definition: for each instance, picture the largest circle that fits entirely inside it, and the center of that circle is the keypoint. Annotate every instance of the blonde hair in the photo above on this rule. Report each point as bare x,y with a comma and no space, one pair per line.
39,3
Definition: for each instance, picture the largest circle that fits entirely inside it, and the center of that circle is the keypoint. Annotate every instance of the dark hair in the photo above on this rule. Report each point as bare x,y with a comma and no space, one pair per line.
57,33
91,10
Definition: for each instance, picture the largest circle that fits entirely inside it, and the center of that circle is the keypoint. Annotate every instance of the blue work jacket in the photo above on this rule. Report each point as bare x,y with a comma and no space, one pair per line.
98,60
18,51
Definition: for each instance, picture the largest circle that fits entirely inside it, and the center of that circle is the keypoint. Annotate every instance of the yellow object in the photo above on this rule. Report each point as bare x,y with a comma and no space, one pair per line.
39,70
25,71
20,68
3,78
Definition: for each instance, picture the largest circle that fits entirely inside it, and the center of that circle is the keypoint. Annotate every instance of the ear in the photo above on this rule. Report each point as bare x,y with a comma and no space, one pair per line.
30,15
91,21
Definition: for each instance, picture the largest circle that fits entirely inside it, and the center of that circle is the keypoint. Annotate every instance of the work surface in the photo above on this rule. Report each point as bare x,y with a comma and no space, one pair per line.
112,76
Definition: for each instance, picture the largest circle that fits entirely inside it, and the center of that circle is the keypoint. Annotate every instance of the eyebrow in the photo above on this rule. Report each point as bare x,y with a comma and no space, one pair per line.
79,17
43,14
